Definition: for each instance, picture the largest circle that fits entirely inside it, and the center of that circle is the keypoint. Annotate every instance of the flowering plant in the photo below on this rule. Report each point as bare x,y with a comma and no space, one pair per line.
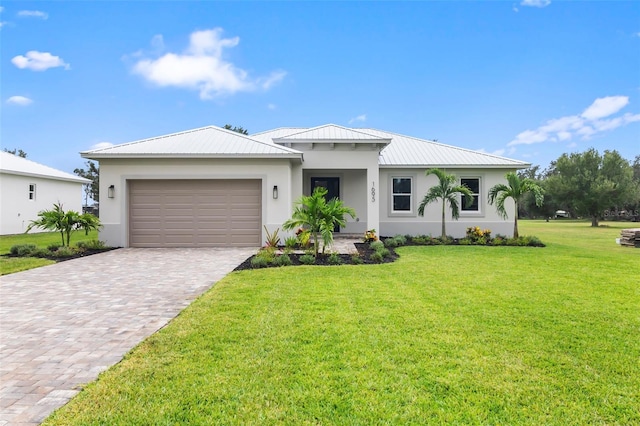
370,236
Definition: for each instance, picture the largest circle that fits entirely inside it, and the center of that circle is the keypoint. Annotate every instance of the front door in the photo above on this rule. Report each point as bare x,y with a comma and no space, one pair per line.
332,185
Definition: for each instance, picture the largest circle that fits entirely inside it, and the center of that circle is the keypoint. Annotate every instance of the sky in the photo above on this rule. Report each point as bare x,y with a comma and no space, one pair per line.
528,80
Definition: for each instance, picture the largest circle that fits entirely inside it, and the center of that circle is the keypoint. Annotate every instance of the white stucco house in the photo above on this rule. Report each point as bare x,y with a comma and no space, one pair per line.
27,187
215,187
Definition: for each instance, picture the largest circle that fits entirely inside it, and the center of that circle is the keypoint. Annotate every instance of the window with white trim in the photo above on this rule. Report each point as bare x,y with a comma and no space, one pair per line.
402,194
32,191
474,185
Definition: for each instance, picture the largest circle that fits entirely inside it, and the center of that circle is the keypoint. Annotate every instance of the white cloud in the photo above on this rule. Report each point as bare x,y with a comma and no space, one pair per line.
39,61
362,118
101,145
19,100
604,107
272,106
33,14
535,3
591,121
202,67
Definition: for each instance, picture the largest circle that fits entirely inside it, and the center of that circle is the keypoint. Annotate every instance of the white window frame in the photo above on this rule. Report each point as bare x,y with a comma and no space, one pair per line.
481,200
412,198
32,192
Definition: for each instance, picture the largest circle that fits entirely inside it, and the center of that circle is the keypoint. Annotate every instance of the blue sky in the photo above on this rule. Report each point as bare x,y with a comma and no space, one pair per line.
528,80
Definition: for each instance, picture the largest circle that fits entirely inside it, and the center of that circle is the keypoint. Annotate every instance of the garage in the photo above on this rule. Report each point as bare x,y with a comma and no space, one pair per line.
195,213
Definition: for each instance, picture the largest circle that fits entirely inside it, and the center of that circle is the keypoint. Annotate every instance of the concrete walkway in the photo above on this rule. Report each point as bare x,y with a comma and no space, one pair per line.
63,324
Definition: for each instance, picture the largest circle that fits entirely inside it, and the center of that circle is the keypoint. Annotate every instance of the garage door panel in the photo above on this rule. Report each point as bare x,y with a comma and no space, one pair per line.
195,213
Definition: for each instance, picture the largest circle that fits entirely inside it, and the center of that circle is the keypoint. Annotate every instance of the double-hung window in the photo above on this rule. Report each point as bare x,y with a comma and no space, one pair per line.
473,183
32,191
402,194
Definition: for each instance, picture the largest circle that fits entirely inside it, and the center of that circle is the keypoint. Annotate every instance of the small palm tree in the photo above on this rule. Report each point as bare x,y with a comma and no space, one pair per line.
515,188
446,190
64,222
318,216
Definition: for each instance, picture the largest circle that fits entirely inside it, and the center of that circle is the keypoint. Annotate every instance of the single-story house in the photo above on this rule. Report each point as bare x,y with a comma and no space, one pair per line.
27,187
215,187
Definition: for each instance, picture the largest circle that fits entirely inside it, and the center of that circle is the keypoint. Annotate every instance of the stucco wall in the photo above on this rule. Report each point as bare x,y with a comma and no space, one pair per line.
431,223
17,210
114,211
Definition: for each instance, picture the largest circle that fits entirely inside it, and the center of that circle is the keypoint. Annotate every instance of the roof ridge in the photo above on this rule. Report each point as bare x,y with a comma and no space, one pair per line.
449,146
276,129
328,125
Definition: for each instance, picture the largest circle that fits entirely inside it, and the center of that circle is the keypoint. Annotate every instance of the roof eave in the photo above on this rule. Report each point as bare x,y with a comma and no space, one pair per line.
455,166
98,156
43,176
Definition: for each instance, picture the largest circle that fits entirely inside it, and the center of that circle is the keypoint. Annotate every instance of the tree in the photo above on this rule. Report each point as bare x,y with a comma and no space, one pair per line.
590,183
93,188
64,222
319,216
14,151
447,191
238,129
515,189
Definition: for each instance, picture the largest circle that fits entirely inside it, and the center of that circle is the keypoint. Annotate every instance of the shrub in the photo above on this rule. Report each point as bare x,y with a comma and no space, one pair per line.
22,249
307,259
384,252
391,242
267,254
91,245
334,259
356,259
376,245
370,236
63,252
259,262
498,241
282,260
464,241
42,253
272,238
400,239
376,256
290,242
54,247
475,235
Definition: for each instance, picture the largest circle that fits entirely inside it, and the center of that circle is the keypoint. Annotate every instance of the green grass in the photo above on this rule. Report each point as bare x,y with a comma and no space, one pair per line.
42,240
445,335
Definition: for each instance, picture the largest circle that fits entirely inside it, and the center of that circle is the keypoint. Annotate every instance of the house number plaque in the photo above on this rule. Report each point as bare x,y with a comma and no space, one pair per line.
373,192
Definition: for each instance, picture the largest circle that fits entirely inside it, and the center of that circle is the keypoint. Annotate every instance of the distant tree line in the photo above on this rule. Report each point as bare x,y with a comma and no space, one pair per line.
587,185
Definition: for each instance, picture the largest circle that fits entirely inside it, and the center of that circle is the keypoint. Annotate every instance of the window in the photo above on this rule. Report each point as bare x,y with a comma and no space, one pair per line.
402,195
474,185
32,191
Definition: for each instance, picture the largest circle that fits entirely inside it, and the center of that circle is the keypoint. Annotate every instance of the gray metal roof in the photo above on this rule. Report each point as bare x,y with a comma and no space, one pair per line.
210,141
407,151
15,165
330,132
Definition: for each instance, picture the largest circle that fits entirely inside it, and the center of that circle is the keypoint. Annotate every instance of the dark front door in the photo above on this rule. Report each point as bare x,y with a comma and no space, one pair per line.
332,185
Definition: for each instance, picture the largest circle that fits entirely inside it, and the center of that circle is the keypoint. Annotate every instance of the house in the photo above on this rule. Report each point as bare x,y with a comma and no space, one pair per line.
27,187
214,187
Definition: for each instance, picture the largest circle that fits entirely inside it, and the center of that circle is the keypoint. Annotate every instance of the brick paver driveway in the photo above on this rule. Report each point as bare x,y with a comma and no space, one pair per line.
63,324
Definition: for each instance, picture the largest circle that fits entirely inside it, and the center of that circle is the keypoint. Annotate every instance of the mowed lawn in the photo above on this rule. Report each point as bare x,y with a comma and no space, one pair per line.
9,265
445,335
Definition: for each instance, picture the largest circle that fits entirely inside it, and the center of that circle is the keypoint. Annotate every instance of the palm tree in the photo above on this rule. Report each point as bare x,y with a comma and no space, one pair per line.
64,222
515,188
446,190
318,216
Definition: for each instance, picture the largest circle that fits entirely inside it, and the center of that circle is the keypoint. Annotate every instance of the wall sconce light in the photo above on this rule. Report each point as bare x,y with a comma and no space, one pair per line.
275,192
111,191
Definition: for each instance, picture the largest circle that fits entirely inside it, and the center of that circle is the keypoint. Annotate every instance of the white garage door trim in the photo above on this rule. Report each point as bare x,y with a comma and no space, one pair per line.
195,213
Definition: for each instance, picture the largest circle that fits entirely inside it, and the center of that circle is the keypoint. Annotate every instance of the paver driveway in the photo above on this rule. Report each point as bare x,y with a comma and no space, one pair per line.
63,324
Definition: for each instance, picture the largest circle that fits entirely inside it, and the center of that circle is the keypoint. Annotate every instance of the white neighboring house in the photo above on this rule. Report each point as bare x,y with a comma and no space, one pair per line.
27,187
215,187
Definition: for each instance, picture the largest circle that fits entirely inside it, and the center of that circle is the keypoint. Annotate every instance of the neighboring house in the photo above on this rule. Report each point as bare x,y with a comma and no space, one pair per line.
27,187
215,187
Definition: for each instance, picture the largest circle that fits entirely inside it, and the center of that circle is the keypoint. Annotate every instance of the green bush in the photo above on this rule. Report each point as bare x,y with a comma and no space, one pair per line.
400,239
376,256
307,259
23,250
464,241
42,253
376,245
356,259
334,259
290,242
63,252
53,247
282,260
259,262
91,245
384,252
391,242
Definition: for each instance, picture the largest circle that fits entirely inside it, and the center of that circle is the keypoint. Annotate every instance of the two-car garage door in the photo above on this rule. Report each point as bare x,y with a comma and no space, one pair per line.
195,213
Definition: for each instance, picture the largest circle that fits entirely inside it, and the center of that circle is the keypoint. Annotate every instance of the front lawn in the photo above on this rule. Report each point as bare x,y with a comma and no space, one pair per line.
445,335
41,240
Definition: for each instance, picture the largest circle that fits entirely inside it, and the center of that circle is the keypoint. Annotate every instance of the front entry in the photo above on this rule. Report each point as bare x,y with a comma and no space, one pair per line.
332,185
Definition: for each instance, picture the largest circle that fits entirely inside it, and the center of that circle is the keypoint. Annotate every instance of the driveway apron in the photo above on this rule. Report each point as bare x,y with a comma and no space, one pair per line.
63,324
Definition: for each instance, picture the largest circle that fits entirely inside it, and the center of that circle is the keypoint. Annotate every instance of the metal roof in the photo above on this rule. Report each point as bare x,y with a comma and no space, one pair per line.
268,135
407,151
331,132
210,141
15,165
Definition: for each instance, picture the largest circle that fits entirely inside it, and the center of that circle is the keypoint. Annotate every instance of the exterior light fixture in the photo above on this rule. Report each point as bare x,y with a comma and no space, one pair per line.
111,191
275,192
